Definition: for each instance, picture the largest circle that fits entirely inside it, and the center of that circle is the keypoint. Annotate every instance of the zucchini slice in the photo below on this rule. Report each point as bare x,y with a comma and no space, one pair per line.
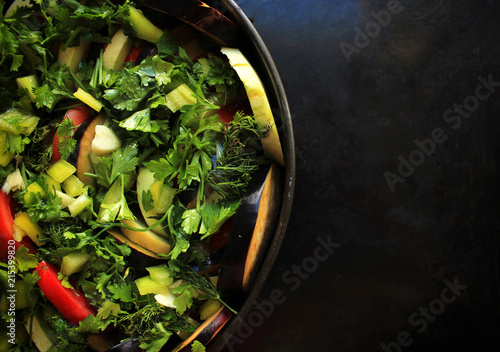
258,101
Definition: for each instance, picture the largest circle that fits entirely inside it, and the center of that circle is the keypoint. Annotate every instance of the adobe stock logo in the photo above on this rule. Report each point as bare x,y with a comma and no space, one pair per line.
293,278
425,315
372,29
454,118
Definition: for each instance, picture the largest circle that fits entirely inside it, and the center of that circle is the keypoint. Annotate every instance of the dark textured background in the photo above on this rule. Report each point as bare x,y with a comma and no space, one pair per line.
397,251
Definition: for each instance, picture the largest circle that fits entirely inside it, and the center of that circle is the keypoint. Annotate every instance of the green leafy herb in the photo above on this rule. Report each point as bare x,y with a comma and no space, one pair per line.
65,133
115,206
197,346
121,162
238,160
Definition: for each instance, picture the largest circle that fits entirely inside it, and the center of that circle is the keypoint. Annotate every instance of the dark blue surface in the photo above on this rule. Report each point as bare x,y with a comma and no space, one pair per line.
367,266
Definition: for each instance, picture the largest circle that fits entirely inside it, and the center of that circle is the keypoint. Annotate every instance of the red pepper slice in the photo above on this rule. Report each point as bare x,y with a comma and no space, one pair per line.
6,223
71,303
134,53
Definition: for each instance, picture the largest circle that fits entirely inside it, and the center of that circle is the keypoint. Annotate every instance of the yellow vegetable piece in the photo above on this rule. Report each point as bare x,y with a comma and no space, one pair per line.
61,170
88,99
35,232
32,189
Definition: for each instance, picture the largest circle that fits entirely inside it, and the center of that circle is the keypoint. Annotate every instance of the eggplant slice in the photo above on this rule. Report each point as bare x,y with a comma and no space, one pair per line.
196,13
266,216
252,230
207,330
131,345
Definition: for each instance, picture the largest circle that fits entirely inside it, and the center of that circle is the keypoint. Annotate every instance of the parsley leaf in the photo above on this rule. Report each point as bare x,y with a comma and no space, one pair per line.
191,221
140,121
168,44
184,300
121,162
24,260
197,346
65,132
215,214
108,308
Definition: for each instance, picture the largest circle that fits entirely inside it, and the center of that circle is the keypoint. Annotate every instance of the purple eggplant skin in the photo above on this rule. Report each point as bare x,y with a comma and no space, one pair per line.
235,254
131,345
197,14
140,261
149,49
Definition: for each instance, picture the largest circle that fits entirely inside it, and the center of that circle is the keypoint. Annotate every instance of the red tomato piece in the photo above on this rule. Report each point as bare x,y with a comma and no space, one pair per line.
78,114
226,113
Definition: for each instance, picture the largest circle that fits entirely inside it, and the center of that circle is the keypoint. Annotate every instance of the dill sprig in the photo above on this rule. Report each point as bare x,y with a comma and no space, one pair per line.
239,158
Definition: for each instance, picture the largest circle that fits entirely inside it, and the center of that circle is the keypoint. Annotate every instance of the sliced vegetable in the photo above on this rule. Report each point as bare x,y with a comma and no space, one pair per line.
74,262
163,196
61,170
73,56
147,285
52,184
180,96
140,256
206,331
145,179
115,53
145,238
201,16
166,299
266,216
13,182
70,302
88,99
209,308
34,232
78,115
84,152
161,274
105,141
6,235
29,83
39,332
65,199
134,53
258,101
73,186
16,122
144,28
236,275
15,5
5,157
33,188
79,205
